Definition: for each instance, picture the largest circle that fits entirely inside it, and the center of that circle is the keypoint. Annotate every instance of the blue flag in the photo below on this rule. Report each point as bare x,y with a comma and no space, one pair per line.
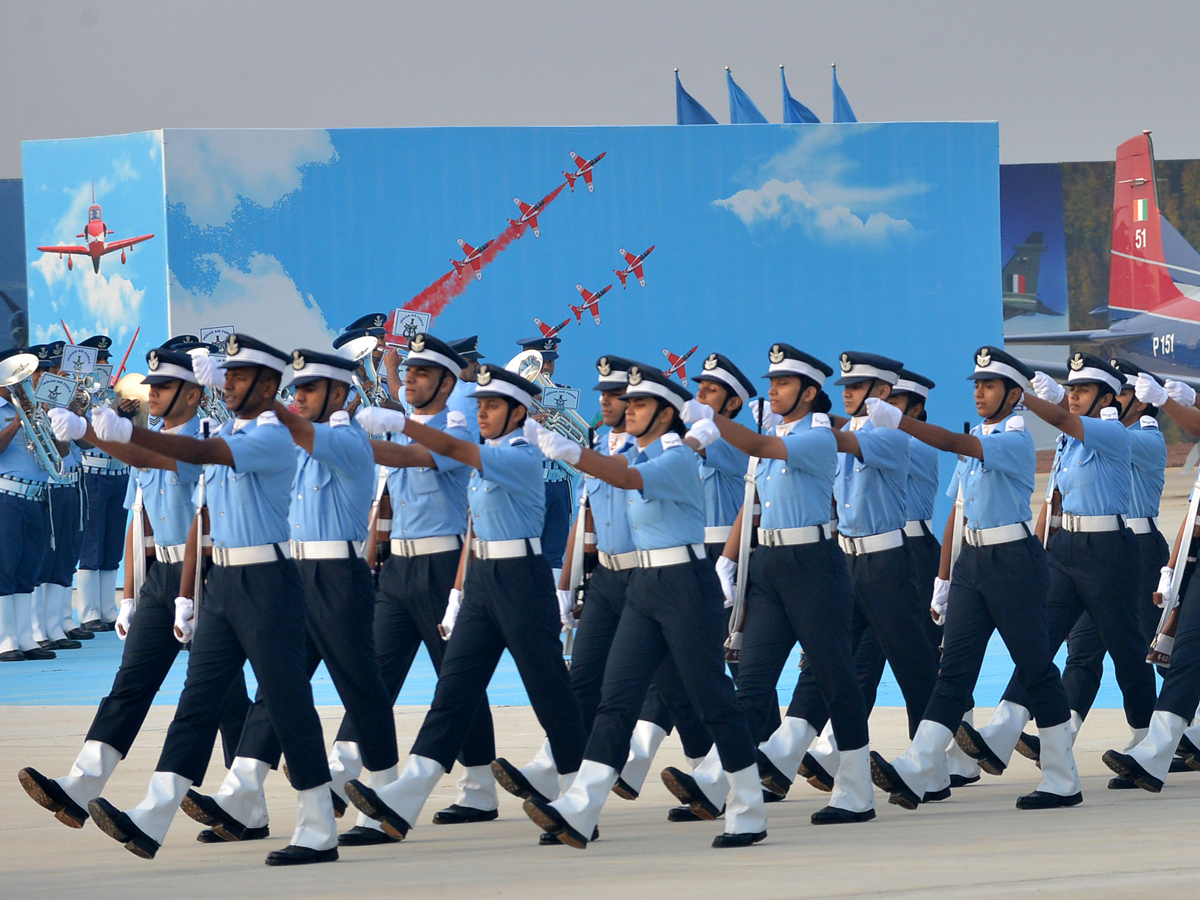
687,110
742,110
841,106
793,110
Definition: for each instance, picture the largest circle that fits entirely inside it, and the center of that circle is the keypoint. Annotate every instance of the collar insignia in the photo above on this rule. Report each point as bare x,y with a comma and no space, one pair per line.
983,359
603,367
635,376
417,344
231,346
485,376
1076,362
297,360
776,355
710,363
845,362
152,362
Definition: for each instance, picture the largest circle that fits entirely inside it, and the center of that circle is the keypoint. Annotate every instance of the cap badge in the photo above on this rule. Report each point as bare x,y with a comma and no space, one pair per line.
485,376
983,358
43,351
104,343
379,320
417,344
846,364
231,346
711,363
152,360
635,376
776,355
603,367
1076,362
297,360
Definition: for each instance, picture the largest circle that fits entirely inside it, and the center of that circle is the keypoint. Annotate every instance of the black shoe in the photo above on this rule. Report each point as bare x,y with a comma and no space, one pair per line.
831,815
292,855
623,790
95,626
463,815
1030,746
79,634
210,836
972,743
957,781
550,820
772,778
367,801
1189,752
65,644
886,778
510,778
1122,783
745,839
38,653
359,836
546,839
815,774
339,805
121,829
48,794
935,796
1178,766
1126,765
682,814
206,811
685,788
769,797
1043,800
12,656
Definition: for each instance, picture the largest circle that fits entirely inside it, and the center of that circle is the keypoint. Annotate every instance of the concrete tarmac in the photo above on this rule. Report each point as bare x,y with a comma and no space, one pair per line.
1117,844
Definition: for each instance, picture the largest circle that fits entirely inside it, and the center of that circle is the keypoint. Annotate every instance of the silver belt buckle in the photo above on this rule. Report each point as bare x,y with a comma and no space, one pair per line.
643,558
406,547
481,549
219,556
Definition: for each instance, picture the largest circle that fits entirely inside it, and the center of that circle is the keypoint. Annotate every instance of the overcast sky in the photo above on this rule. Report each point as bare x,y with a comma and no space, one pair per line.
1067,81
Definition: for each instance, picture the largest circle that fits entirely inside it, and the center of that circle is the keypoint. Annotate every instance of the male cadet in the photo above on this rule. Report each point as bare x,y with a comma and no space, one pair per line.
252,608
556,475
105,480
460,398
331,498
24,528
429,519
151,645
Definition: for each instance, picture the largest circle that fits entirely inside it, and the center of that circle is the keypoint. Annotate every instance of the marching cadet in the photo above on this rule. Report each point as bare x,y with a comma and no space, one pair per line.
24,519
507,601
331,497
673,607
147,626
460,398
105,480
428,493
998,582
252,607
1089,554
798,589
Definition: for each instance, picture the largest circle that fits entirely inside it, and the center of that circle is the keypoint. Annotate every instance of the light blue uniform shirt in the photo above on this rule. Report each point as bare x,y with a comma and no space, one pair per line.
16,460
795,492
996,489
507,498
1149,453
1093,475
610,505
167,497
723,472
870,492
461,401
922,486
669,509
248,504
431,502
334,485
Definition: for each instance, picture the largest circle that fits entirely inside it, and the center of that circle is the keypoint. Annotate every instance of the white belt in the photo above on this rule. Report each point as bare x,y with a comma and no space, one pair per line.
172,553
669,556
506,549
913,529
872,543
249,556
30,490
790,537
1001,534
426,546
1142,526
618,562
104,464
717,535
325,549
383,524
1075,523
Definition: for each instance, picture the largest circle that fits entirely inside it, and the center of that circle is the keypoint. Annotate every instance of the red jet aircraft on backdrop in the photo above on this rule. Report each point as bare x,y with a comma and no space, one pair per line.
474,258
547,331
529,215
591,303
676,364
583,169
633,266
96,233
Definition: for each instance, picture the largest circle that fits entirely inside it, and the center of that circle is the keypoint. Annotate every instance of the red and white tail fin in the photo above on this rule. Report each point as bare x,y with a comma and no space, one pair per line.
570,176
578,310
621,274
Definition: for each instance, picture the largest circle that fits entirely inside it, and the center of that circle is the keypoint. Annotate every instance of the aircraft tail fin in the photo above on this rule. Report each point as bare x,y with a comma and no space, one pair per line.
578,310
621,274
570,176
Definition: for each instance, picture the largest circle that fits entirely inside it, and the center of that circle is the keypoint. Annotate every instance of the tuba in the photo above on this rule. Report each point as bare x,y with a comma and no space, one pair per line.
567,422
15,373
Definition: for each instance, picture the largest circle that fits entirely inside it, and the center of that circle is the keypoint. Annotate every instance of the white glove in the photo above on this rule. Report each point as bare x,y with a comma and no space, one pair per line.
111,427
727,573
694,411
1047,388
377,420
451,616
703,432
882,414
941,598
123,617
185,618
1166,576
1181,393
769,419
1150,391
208,372
553,445
566,609
67,426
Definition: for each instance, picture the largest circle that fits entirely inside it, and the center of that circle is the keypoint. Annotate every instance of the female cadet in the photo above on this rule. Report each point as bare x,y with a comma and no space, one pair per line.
673,605
1089,554
999,582
508,601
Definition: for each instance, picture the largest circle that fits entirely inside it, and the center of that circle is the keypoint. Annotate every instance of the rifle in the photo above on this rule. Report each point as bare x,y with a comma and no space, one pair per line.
737,616
198,583
575,584
1164,636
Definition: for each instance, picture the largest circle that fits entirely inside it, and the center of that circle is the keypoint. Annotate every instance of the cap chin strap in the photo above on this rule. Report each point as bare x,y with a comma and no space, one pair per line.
325,402
862,403
659,405
174,400
442,373
1100,392
258,370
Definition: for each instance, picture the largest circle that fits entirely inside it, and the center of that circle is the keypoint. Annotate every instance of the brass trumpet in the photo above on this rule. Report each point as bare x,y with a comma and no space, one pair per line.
567,422
15,373
91,391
